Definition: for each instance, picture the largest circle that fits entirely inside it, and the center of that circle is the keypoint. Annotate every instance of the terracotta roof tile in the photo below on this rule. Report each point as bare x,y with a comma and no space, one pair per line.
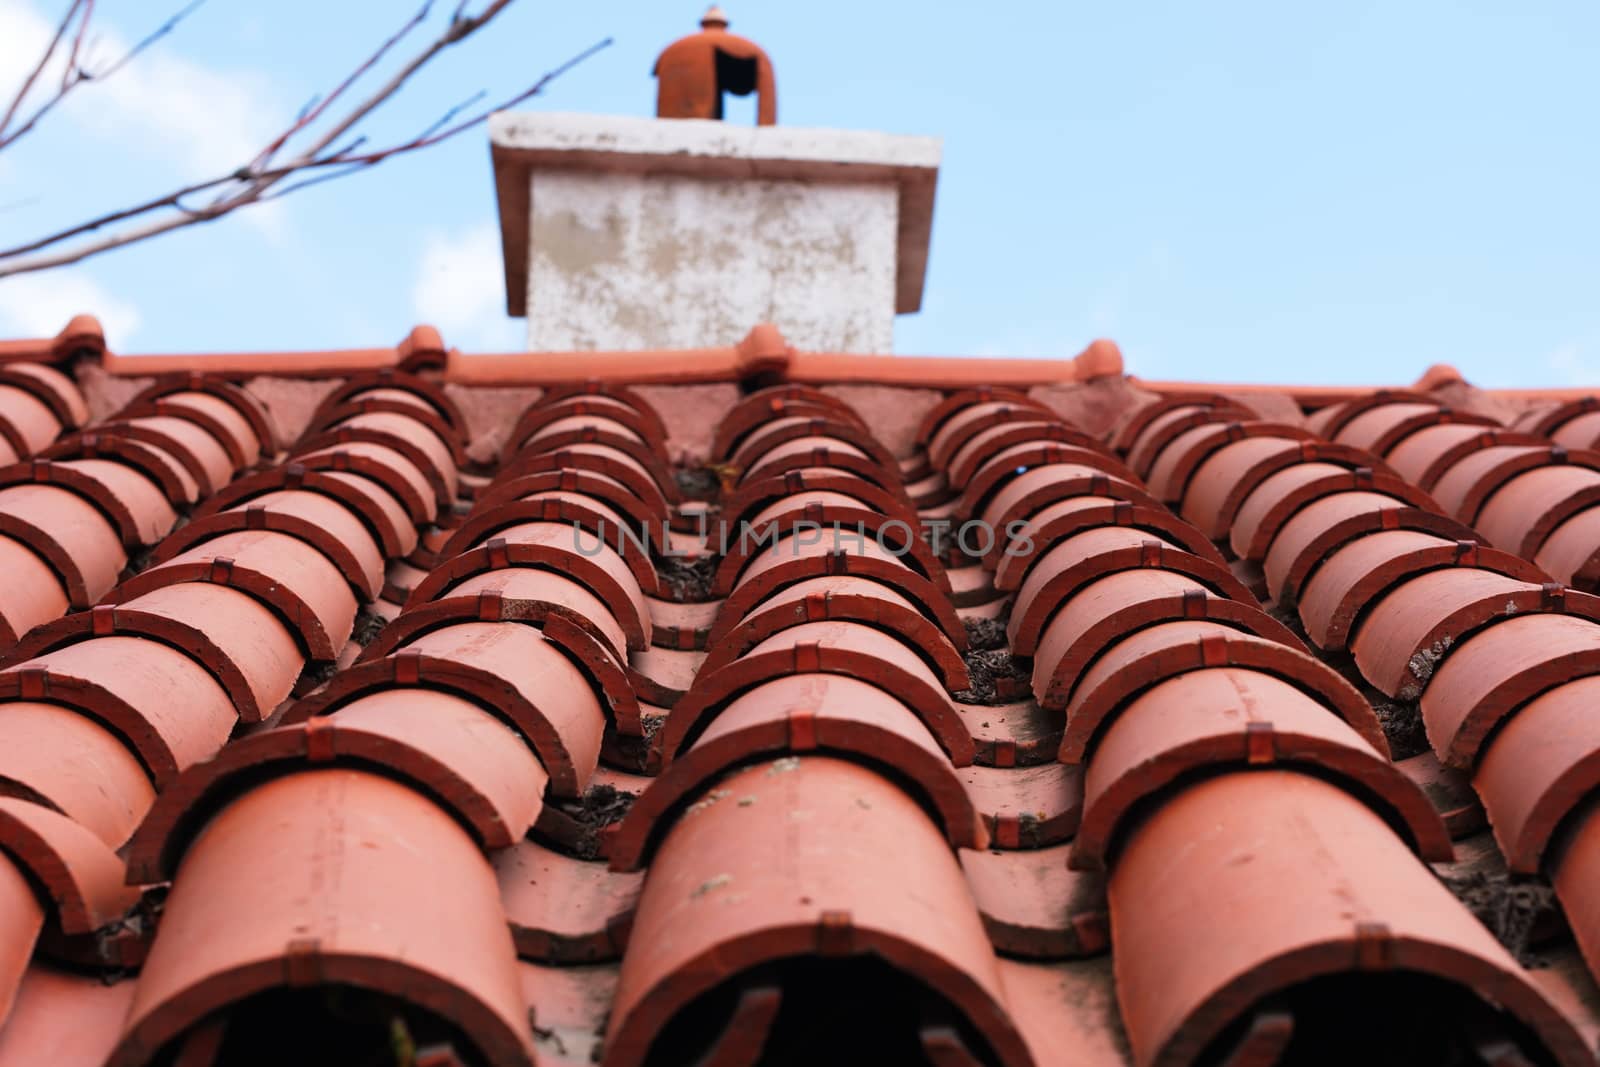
466,698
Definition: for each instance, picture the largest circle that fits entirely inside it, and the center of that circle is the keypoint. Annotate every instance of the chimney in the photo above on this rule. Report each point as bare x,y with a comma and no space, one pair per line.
683,231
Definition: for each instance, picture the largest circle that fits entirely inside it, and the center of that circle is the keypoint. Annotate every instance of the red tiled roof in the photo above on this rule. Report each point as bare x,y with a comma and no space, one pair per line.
444,703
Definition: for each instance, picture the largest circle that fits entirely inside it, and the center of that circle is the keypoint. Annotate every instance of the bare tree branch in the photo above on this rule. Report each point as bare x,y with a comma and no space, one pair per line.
75,72
332,153
33,75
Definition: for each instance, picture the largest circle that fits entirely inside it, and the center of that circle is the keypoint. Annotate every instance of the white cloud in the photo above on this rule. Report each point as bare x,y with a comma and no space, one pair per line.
161,105
460,288
39,305
192,120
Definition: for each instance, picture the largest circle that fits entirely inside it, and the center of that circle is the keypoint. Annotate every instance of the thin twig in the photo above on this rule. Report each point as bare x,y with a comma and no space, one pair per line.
33,75
253,183
315,109
75,73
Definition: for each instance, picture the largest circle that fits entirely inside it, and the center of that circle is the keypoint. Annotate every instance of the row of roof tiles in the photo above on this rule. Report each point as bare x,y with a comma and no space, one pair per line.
815,780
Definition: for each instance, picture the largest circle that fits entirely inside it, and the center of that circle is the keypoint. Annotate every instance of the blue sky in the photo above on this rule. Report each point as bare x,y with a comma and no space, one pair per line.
1251,192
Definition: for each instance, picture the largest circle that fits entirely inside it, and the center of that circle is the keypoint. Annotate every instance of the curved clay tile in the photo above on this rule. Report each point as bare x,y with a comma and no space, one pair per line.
1320,528
559,548
322,522
1331,420
796,519
632,397
563,909
1226,478
1466,486
1543,419
1006,464
601,487
1034,907
1572,551
760,493
828,647
529,593
1521,514
70,762
1075,515
69,532
1450,791
734,887
983,446
571,510
597,433
156,463
31,594
1174,466
1354,576
201,454
927,491
1281,496
1028,493
561,427
1172,424
1298,879
57,391
610,409
135,505
1582,431
794,559
169,709
423,450
802,713
804,453
63,1017
379,509
244,646
1214,721
389,468
1413,628
26,423
444,747
296,581
21,919
388,378
79,873
338,899
513,669
1575,875
1538,768
1109,608
768,436
1171,649
961,427
601,459
191,387
391,402
775,402
1150,427
1378,430
218,417
843,597
1491,674
1026,807
574,633
1425,456
1058,575
961,399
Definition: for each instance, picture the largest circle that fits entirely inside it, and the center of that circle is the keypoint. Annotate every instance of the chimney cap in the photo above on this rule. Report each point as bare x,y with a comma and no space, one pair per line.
693,72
